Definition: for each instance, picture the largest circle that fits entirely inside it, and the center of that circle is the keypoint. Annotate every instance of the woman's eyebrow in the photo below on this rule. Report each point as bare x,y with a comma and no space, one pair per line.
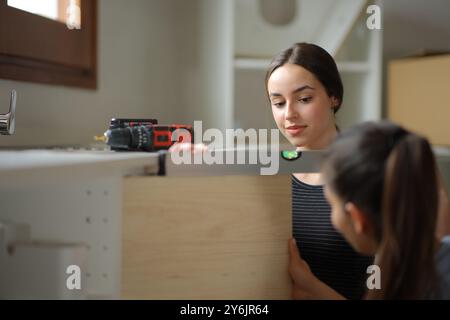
275,94
302,88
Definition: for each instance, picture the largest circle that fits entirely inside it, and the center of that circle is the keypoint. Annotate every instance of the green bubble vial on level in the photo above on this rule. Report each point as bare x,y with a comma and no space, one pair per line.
290,155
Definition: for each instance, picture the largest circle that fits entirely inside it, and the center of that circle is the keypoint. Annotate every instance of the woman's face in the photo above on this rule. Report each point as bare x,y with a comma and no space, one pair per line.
351,223
303,111
340,219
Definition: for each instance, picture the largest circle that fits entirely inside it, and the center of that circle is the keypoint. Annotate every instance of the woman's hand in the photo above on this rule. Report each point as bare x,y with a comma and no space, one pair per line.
303,279
305,284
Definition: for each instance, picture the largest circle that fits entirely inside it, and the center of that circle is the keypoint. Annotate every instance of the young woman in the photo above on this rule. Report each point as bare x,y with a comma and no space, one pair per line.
382,183
305,92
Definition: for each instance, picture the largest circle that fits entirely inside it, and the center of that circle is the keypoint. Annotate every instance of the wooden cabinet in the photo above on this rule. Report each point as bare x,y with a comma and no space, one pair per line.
206,237
417,96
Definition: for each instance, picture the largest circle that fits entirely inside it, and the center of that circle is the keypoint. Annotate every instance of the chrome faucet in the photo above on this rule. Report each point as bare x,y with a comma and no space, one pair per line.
8,121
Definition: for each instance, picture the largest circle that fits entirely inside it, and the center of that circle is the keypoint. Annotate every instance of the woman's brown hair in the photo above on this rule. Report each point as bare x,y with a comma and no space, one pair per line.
391,175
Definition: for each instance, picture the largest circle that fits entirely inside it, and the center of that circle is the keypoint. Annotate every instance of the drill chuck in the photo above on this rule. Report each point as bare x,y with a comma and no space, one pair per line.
149,137
136,138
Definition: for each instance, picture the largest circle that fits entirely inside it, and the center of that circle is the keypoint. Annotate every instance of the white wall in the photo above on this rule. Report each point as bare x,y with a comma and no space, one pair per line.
414,25
204,29
136,78
152,63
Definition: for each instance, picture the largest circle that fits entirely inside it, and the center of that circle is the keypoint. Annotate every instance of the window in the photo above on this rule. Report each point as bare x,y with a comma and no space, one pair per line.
49,41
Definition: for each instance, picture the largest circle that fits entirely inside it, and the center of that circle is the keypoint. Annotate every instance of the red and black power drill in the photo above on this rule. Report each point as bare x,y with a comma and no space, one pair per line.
145,135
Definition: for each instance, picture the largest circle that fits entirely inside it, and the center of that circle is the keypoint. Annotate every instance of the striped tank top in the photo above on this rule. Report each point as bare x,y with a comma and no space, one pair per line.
327,253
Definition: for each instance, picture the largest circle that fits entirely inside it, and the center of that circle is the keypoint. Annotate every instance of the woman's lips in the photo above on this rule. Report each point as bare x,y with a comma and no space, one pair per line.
295,130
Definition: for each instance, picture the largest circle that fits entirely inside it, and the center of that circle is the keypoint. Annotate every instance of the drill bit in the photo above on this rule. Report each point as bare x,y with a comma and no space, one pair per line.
102,138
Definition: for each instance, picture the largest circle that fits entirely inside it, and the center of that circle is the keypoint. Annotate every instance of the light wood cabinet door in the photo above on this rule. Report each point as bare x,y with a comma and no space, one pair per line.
206,237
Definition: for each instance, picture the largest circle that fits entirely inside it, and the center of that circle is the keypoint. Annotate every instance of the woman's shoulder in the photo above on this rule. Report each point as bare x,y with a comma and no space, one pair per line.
444,250
307,181
443,267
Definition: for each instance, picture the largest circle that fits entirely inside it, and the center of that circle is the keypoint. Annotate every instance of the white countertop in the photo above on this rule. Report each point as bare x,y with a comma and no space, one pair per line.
12,160
34,167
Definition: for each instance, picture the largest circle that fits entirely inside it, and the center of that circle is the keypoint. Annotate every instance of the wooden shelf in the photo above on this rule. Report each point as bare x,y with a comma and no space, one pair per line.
263,64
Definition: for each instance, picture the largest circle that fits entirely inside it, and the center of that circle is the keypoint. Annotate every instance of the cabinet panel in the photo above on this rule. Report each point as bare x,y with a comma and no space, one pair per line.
206,237
418,96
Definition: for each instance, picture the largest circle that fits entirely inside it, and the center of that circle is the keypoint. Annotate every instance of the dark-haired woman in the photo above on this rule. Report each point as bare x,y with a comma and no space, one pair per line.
305,92
382,183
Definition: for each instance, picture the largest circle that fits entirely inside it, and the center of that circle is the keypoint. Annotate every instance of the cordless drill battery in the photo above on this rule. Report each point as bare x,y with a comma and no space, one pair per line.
128,122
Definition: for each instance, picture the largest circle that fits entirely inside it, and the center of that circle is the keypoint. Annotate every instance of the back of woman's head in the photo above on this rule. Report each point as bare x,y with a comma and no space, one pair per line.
317,61
390,174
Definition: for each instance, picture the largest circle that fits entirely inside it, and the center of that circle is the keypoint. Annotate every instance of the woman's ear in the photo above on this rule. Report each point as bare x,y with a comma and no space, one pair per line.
334,102
359,219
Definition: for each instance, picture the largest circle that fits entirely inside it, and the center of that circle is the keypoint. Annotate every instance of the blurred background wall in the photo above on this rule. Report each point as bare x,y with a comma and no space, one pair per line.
151,63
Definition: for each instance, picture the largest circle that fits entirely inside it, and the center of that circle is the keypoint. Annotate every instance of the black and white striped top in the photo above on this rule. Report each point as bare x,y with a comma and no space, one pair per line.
328,254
